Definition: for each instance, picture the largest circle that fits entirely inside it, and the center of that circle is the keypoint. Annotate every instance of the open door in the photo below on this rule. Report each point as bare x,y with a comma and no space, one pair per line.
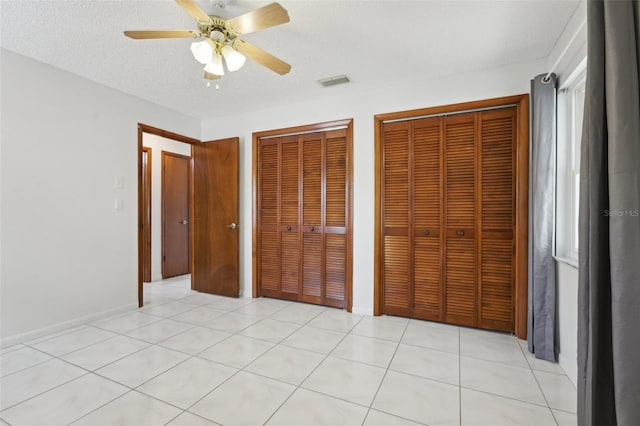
175,214
145,214
216,210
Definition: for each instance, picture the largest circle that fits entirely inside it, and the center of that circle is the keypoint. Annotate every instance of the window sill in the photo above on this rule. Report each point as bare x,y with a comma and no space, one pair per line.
570,261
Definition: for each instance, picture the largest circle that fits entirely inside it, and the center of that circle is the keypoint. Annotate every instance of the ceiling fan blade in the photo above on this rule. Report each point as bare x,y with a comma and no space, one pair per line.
138,35
211,76
262,57
259,19
194,10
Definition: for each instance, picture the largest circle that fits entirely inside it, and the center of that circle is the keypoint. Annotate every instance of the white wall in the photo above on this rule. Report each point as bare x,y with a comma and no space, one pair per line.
360,103
567,318
157,145
571,47
67,255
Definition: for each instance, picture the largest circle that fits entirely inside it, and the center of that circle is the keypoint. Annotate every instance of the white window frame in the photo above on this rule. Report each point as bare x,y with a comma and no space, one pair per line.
570,111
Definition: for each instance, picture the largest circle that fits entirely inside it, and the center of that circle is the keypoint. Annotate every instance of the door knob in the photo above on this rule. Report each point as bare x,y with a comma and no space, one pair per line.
425,232
312,229
288,228
232,225
460,233
184,222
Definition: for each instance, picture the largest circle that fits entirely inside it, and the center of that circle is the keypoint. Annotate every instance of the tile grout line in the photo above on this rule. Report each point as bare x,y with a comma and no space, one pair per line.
315,368
539,387
193,414
31,366
59,358
136,389
152,378
95,371
45,391
350,332
506,397
87,372
280,343
249,363
375,395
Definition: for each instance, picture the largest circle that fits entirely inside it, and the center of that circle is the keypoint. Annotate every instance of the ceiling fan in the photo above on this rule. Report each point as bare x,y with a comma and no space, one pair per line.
221,38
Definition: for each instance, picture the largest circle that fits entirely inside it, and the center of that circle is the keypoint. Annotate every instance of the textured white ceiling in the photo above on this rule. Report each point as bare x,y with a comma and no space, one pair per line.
370,41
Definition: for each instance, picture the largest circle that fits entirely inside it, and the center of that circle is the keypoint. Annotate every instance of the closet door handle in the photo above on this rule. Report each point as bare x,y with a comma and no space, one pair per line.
426,232
288,228
312,229
460,233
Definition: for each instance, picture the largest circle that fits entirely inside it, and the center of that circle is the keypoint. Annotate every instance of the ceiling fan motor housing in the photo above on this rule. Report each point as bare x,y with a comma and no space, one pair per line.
216,29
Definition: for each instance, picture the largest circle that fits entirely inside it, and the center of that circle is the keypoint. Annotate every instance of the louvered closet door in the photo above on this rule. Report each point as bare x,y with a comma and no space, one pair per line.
268,218
460,217
427,245
396,274
303,217
335,225
496,278
289,217
312,253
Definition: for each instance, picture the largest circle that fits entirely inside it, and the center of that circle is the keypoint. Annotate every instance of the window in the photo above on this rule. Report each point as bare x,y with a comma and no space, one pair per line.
570,111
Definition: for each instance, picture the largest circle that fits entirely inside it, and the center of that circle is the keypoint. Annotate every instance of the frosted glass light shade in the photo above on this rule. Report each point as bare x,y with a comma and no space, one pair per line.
235,60
203,50
215,66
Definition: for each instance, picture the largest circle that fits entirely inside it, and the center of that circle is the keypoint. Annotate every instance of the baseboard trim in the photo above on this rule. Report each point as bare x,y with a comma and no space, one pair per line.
56,328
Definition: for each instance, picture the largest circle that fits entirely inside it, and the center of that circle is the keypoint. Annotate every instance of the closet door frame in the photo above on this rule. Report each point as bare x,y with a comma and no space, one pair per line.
521,103
347,124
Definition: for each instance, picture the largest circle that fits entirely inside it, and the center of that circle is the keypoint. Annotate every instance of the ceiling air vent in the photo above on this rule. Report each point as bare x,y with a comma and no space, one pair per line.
334,81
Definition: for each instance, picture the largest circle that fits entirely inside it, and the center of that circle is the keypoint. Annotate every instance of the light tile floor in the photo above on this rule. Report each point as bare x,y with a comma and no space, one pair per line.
193,359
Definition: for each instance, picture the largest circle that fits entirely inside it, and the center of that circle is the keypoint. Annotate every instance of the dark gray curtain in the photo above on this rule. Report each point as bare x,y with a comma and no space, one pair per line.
541,313
609,263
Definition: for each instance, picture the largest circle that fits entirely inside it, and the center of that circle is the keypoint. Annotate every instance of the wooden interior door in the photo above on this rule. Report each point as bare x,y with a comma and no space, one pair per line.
428,287
335,217
289,217
146,214
396,245
216,210
269,217
311,226
496,247
460,219
175,214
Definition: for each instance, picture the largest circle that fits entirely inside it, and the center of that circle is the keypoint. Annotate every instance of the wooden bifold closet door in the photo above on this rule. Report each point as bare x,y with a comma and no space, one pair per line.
303,217
448,218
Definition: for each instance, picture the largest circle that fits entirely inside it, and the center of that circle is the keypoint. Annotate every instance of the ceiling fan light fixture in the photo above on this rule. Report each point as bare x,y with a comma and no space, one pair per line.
215,65
233,58
217,35
203,50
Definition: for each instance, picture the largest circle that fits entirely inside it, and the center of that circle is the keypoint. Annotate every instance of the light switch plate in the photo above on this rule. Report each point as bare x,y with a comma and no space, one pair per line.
118,205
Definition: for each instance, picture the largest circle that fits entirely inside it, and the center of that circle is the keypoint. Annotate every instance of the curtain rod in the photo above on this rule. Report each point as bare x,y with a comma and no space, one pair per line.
445,114
547,77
